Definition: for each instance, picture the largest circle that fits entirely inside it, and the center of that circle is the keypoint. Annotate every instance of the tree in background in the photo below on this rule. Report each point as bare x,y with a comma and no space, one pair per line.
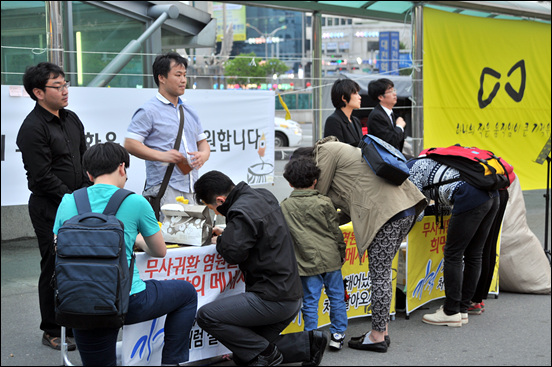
248,69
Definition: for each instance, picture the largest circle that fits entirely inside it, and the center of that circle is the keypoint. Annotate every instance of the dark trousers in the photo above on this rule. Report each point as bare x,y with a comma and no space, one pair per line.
42,211
466,236
175,298
489,251
246,324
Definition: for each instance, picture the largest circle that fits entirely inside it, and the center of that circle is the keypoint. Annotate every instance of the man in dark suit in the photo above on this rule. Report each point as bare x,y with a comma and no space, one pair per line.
342,124
382,122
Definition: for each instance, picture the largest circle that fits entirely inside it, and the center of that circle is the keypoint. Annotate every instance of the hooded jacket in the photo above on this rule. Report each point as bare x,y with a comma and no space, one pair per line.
314,227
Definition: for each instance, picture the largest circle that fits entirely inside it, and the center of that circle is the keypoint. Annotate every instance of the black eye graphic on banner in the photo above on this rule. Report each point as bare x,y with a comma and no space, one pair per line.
515,95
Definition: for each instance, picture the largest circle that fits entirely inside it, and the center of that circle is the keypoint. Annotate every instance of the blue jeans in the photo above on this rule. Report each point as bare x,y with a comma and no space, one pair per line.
175,298
312,288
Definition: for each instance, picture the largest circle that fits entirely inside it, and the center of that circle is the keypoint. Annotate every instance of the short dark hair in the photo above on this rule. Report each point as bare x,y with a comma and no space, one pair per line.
104,158
162,64
302,152
343,88
301,172
210,185
378,87
37,76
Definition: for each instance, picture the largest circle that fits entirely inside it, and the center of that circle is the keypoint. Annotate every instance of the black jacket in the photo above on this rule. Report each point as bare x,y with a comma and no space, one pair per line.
338,125
257,238
379,124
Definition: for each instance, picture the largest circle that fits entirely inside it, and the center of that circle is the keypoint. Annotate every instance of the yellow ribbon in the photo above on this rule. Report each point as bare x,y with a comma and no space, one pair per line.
288,115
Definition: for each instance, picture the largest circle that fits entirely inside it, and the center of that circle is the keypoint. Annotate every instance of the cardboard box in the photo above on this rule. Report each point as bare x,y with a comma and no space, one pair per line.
186,224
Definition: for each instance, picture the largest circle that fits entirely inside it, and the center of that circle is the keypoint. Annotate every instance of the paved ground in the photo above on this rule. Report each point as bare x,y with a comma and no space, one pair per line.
514,330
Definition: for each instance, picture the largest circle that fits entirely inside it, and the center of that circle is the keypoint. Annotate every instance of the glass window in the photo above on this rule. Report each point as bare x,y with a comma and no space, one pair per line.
99,37
24,30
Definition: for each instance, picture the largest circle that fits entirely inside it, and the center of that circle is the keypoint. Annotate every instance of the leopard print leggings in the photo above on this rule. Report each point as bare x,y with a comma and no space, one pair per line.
380,256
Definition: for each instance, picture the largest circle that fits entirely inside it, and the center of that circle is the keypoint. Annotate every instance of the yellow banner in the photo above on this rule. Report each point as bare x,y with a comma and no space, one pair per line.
358,287
487,83
424,262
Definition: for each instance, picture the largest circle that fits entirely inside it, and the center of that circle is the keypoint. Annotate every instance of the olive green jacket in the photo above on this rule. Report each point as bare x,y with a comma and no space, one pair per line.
369,200
317,239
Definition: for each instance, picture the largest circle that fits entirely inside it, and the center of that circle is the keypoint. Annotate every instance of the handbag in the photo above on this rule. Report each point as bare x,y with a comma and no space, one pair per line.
384,159
155,201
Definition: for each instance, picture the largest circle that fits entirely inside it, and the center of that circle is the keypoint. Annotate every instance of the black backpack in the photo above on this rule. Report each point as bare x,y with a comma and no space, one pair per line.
92,279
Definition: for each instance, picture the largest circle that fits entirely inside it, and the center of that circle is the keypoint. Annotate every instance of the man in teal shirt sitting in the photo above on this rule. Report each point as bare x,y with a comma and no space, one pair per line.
106,166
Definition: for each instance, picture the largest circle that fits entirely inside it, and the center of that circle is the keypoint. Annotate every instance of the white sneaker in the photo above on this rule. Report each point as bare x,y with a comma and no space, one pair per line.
440,318
337,340
464,318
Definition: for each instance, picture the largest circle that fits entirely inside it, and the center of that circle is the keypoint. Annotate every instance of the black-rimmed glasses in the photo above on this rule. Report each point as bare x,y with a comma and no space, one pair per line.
60,88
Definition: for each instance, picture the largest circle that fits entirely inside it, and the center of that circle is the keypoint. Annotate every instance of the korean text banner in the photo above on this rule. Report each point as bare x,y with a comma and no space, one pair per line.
487,84
212,277
238,124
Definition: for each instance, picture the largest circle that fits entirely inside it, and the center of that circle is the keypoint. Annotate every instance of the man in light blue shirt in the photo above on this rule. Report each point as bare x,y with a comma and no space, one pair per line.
154,127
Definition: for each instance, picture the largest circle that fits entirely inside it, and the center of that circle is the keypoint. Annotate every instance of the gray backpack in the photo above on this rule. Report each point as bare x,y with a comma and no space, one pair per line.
92,279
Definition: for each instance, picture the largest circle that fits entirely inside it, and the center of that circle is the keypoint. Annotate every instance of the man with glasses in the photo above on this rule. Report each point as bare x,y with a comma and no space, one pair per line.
382,122
52,142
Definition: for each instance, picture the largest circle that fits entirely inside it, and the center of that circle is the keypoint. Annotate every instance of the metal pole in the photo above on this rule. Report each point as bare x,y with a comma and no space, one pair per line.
54,32
317,76
121,60
417,81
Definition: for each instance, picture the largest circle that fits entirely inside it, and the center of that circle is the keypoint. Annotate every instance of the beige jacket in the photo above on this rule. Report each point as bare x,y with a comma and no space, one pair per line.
369,200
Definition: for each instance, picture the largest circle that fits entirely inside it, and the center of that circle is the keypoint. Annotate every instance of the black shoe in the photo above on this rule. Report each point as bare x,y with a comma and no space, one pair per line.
317,347
274,359
380,347
54,342
361,338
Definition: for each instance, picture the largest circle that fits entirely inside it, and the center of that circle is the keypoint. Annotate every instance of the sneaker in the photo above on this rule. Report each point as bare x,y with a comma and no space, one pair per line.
274,359
441,318
336,342
464,318
54,342
482,306
475,309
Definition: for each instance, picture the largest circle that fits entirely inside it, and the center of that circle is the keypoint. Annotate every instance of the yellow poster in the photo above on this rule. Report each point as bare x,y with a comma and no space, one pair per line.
487,83
235,18
358,286
424,262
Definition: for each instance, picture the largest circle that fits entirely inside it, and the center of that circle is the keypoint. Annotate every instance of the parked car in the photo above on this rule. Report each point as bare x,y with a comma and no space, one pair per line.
287,133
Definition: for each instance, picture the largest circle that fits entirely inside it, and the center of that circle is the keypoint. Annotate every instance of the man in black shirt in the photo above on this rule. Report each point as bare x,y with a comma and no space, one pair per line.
51,140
